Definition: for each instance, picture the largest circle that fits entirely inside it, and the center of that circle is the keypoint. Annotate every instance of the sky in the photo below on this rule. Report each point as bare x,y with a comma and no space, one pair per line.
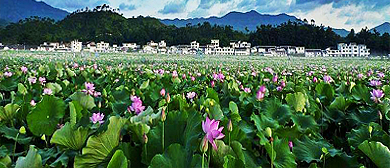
347,14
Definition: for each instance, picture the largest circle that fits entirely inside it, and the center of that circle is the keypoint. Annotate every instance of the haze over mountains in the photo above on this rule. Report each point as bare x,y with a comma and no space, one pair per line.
14,10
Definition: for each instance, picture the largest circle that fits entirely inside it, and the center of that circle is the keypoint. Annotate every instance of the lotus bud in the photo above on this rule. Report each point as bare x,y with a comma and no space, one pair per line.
212,103
22,130
163,115
370,129
318,100
204,145
100,104
43,137
380,115
230,126
168,98
145,138
324,150
268,132
162,92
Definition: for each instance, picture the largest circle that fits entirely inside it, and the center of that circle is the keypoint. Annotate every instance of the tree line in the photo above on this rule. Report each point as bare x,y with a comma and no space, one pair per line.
106,24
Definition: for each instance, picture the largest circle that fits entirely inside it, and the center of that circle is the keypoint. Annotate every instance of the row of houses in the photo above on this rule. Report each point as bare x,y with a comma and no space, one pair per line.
214,48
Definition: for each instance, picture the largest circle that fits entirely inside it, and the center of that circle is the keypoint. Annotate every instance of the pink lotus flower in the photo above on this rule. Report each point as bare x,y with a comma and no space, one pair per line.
291,145
263,89
247,90
192,78
97,118
275,78
184,76
47,91
32,80
8,74
375,83
381,75
279,88
136,105
97,94
328,79
24,69
283,84
162,92
376,95
191,95
210,127
212,84
360,76
261,93
174,74
42,80
315,80
89,88
32,103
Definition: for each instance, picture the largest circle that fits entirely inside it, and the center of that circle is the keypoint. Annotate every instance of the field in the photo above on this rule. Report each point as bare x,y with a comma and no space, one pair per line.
133,110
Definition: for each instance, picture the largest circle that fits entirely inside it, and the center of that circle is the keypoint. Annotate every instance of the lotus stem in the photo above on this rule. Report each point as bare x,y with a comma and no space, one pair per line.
16,140
162,134
272,154
203,160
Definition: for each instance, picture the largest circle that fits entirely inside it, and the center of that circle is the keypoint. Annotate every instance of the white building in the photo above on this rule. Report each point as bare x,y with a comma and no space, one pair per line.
76,46
62,48
224,51
332,52
162,47
300,50
129,47
150,48
48,46
353,50
241,48
313,53
91,47
102,46
194,45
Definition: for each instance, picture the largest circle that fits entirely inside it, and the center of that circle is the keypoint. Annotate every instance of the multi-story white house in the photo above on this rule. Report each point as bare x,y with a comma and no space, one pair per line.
353,50
332,52
76,46
150,48
102,46
162,47
241,48
300,50
194,45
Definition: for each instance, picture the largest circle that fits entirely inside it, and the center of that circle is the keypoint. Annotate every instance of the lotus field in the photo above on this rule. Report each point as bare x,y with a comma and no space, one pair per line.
118,111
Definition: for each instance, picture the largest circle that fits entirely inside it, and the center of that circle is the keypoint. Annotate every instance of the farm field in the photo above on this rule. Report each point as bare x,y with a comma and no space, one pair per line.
159,111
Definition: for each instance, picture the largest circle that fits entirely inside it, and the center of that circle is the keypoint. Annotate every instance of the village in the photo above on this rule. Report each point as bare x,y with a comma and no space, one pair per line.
194,48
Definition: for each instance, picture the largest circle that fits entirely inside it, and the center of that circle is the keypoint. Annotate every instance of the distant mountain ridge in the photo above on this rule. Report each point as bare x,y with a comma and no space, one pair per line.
15,10
383,28
238,20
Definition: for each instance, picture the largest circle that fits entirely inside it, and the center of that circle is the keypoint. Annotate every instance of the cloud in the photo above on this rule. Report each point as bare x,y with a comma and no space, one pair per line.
174,7
72,5
125,7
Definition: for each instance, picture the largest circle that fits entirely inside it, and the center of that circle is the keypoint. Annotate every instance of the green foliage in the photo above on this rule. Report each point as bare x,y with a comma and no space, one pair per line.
32,159
46,115
377,152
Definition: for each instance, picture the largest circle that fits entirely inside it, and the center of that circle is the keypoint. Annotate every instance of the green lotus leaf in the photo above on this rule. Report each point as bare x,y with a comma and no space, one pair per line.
99,147
46,115
377,152
86,101
73,138
8,112
309,150
174,156
32,159
280,152
297,101
234,114
118,160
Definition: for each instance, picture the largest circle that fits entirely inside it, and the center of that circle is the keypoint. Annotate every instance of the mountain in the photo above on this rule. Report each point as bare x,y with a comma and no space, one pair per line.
383,28
15,10
341,32
238,20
